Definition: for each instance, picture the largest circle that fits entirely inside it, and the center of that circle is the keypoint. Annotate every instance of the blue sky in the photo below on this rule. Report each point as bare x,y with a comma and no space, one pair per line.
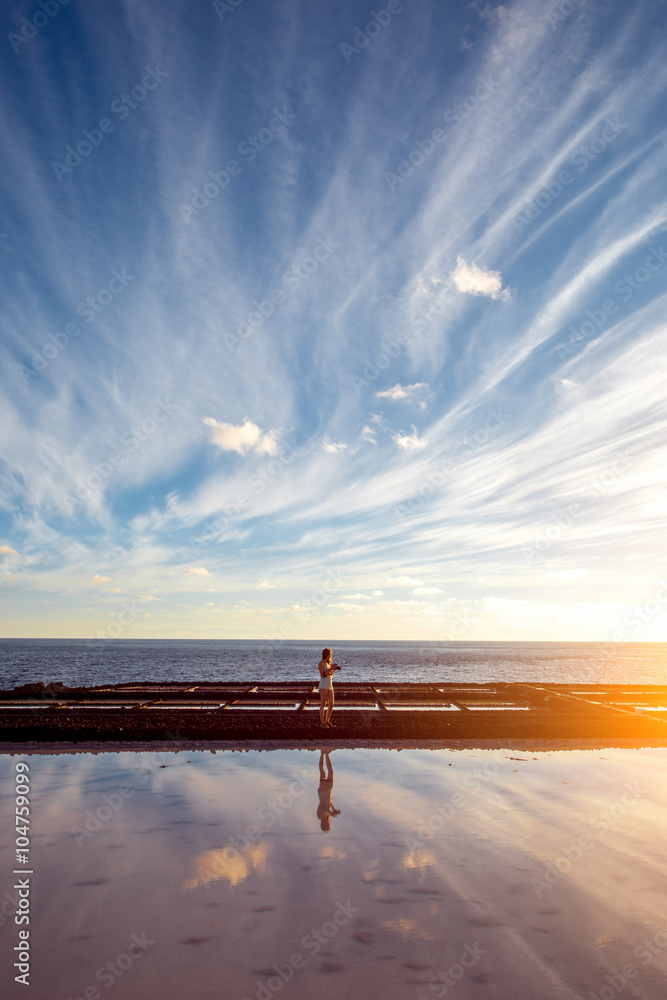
325,323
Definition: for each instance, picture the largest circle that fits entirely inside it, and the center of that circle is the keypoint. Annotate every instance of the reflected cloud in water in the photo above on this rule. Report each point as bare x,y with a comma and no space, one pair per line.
239,864
227,863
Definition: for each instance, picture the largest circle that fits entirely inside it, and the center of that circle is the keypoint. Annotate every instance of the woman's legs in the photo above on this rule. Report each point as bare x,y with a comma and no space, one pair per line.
323,698
330,704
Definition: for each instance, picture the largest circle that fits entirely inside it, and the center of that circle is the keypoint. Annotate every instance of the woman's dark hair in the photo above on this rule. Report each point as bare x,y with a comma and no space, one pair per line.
326,654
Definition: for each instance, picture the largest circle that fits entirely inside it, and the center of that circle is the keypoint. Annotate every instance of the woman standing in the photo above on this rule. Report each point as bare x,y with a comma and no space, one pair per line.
326,670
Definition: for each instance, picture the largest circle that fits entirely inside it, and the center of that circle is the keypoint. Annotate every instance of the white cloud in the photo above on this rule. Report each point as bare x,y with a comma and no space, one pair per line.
378,593
570,389
568,574
476,281
409,442
198,571
242,438
368,434
300,611
266,585
101,579
403,581
356,597
427,590
6,550
401,391
333,447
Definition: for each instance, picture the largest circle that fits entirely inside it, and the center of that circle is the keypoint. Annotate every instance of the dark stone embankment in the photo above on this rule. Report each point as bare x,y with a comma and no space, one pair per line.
247,711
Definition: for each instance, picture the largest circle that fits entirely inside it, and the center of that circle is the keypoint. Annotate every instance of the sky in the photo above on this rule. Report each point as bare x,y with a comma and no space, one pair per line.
322,320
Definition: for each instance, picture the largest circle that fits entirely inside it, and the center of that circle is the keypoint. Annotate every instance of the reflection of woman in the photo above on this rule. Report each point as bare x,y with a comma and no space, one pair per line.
325,809
326,670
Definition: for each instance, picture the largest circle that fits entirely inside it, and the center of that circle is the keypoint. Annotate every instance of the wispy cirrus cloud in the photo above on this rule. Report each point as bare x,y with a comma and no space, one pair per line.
333,447
415,300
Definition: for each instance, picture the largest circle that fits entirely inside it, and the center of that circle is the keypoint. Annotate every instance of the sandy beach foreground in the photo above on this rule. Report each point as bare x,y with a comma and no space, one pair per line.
464,873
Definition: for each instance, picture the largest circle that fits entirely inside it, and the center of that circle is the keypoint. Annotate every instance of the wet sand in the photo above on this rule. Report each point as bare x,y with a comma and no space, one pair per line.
471,873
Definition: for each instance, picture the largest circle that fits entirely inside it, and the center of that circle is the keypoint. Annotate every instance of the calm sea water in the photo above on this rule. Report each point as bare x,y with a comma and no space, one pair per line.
76,662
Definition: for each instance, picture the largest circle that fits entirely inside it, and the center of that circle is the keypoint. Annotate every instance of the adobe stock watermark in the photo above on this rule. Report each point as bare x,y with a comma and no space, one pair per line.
566,8
448,293
91,482
292,278
625,288
122,107
429,486
459,624
563,519
315,601
442,982
651,947
378,21
125,618
89,309
111,803
581,158
482,435
251,146
605,820
32,27
455,116
436,479
647,952
373,367
640,615
242,502
95,304
312,942
442,814
222,7
617,981
109,973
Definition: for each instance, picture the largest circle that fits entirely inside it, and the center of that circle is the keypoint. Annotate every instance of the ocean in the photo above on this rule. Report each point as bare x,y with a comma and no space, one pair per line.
76,662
